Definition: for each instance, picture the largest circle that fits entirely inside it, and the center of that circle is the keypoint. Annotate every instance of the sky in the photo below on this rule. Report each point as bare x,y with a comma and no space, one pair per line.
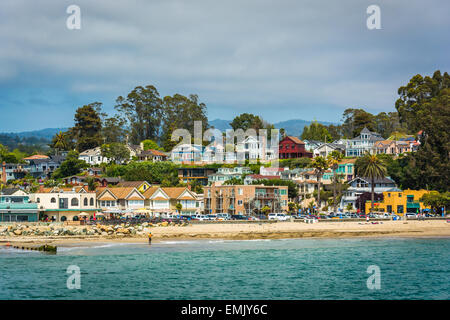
283,59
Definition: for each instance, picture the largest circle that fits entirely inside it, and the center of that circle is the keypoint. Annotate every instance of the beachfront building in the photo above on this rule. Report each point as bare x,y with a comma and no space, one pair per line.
359,185
224,174
142,186
162,201
119,200
65,204
15,206
358,146
292,147
400,202
245,199
93,156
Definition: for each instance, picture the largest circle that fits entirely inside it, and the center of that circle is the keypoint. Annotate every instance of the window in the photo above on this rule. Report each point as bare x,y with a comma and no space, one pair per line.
91,202
85,202
400,209
53,200
74,202
240,191
282,192
38,200
239,202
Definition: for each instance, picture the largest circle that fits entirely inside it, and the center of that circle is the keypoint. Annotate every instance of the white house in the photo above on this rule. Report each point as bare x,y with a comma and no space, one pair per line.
325,149
93,156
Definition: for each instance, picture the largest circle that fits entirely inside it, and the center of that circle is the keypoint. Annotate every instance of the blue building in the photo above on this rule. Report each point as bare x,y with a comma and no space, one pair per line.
15,206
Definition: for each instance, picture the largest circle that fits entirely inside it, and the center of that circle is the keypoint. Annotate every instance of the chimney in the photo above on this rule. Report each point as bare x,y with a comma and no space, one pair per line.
4,172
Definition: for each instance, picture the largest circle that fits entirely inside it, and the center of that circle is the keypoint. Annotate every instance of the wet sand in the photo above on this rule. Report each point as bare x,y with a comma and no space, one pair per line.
248,231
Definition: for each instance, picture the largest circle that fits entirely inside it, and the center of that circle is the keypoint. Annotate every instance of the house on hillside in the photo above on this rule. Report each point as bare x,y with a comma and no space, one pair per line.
292,147
327,148
93,156
365,142
152,155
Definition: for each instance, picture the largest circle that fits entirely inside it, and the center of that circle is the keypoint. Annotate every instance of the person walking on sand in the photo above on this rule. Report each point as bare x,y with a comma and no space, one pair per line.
149,238
367,218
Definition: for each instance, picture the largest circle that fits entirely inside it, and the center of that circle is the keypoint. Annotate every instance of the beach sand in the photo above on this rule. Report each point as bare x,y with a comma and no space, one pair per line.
246,231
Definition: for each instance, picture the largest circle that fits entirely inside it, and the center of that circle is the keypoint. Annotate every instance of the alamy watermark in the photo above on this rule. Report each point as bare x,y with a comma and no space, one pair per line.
74,280
232,146
374,20
73,22
374,280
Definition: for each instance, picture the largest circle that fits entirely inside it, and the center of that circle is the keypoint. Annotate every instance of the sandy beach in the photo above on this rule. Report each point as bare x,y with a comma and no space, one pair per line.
246,231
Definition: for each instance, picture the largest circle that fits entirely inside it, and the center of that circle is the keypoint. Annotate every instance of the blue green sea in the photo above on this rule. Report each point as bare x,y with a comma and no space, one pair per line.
216,269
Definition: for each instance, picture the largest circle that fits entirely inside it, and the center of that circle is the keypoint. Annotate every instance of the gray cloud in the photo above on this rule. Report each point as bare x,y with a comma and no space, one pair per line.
237,55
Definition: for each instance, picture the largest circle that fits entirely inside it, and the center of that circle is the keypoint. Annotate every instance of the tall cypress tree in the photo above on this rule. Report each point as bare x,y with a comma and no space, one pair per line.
88,126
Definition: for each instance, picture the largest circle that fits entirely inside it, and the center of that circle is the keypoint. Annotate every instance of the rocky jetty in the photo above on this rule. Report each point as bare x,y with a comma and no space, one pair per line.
57,230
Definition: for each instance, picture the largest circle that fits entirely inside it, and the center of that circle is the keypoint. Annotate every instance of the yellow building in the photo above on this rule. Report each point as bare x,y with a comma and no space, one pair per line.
400,202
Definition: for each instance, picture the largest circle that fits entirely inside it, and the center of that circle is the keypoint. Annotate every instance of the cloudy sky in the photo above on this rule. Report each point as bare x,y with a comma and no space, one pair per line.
283,59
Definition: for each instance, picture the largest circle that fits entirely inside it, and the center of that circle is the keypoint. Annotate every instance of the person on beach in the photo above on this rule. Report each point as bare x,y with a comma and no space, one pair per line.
149,238
367,218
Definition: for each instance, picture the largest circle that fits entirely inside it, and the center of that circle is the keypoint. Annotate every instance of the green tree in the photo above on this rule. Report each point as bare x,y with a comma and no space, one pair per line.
181,112
114,129
320,165
333,161
150,144
179,207
247,121
60,142
316,131
436,200
116,152
424,105
71,166
88,126
92,185
372,167
142,109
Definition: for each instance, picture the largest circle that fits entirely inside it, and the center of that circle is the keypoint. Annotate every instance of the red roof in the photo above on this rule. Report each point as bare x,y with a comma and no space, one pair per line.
261,177
36,156
294,139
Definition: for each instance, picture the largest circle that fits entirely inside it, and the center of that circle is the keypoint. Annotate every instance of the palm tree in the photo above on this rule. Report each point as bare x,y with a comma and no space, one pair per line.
333,161
373,167
60,141
319,164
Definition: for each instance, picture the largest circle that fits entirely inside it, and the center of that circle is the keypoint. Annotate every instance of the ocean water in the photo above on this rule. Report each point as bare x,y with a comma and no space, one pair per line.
216,269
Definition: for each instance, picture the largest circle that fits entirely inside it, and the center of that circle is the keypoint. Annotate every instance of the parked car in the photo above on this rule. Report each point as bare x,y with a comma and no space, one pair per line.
223,216
278,216
211,216
239,217
410,215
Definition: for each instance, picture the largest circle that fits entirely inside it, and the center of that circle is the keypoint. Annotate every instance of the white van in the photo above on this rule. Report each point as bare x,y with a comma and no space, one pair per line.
278,216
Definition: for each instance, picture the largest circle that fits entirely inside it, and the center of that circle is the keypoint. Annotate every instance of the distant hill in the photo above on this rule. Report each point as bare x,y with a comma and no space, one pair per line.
46,134
293,127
